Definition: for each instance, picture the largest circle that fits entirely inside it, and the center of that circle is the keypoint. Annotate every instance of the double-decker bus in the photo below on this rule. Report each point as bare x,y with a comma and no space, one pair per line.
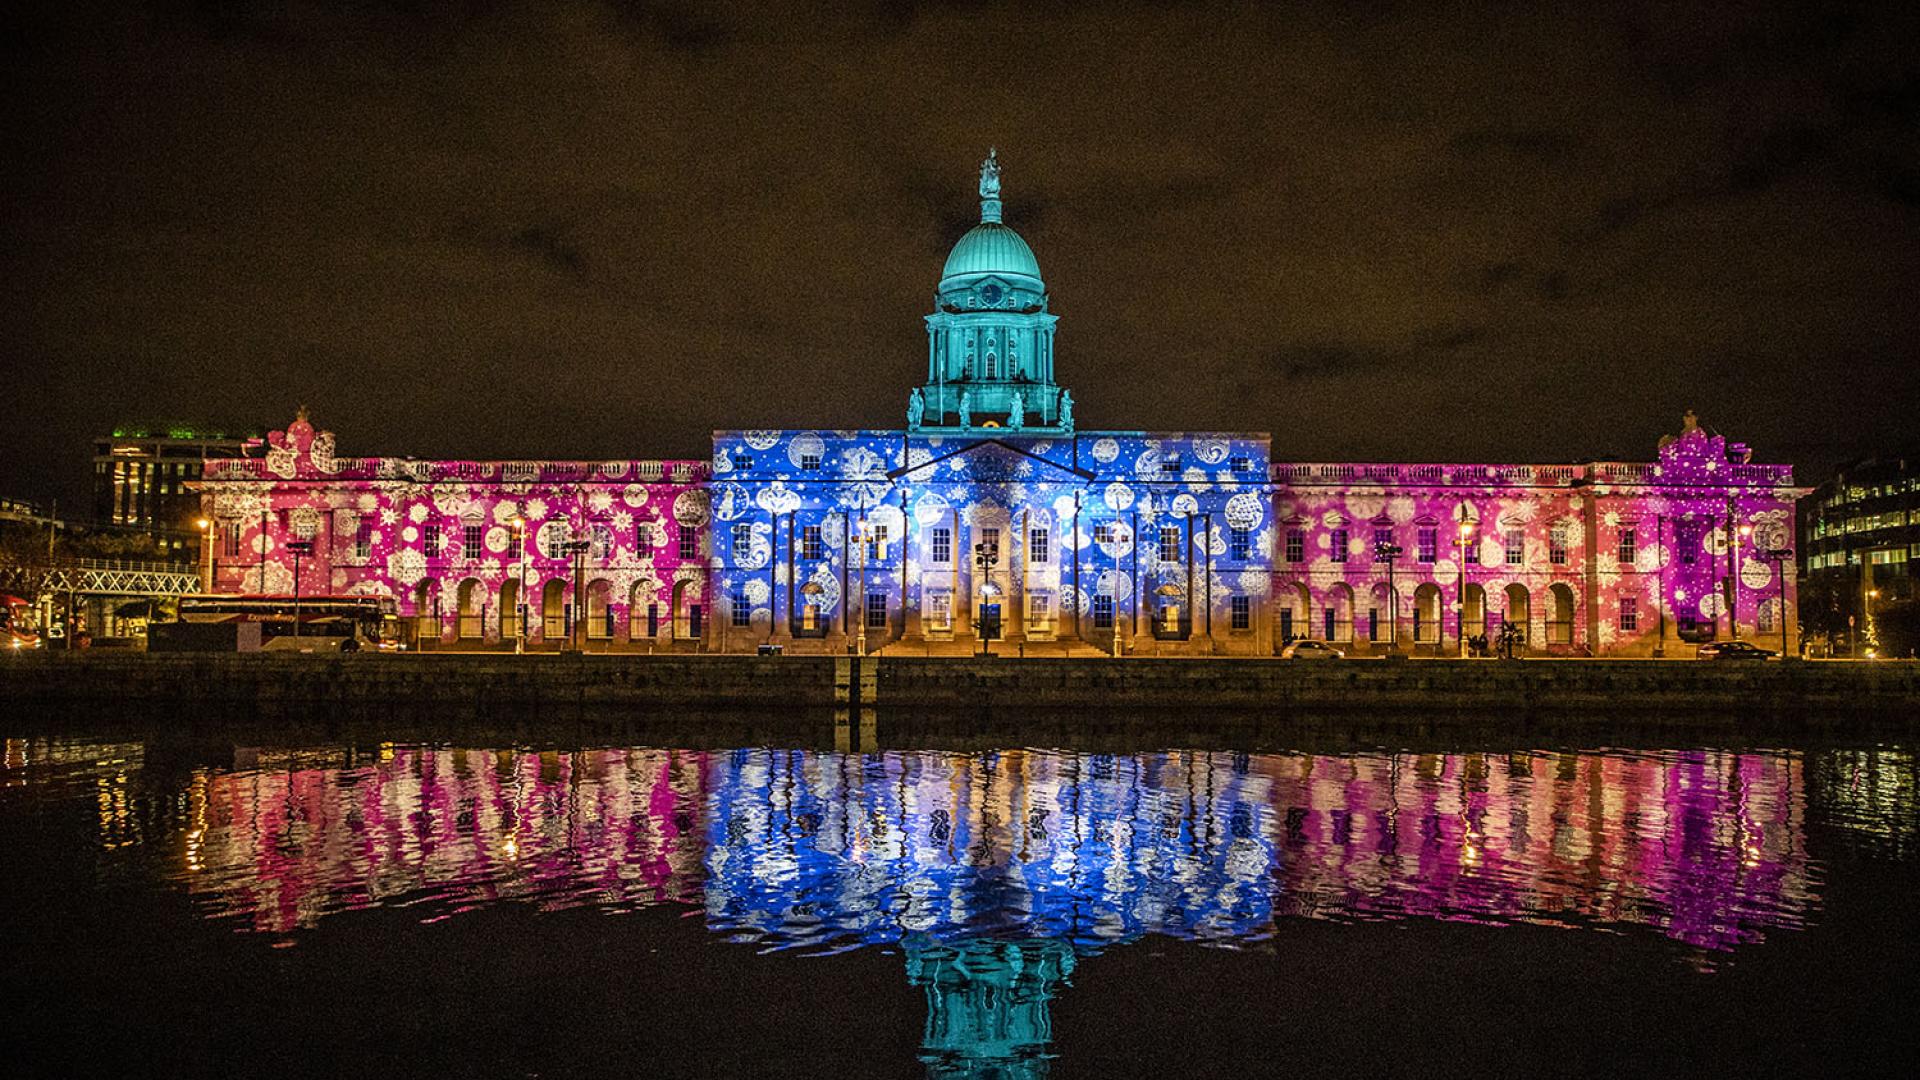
16,625
246,621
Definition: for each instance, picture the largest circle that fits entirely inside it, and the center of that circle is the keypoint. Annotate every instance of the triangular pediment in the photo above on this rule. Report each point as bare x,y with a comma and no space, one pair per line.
991,461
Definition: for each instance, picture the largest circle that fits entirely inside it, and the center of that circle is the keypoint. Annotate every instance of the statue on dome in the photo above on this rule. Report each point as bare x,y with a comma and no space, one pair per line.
1017,416
916,409
1066,409
966,408
990,176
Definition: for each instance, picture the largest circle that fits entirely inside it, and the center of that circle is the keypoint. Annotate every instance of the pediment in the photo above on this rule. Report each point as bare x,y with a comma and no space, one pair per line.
991,461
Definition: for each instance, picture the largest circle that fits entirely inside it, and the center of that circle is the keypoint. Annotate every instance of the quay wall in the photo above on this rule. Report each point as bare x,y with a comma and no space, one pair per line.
1143,695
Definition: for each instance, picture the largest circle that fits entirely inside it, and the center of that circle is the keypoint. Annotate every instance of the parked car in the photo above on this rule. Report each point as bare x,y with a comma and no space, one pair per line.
1308,649
1734,650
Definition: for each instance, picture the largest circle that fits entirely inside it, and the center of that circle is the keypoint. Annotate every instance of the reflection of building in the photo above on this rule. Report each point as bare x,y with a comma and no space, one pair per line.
141,476
1858,538
994,513
988,1014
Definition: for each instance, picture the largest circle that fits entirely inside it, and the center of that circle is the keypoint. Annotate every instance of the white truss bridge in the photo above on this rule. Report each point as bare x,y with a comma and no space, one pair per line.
103,577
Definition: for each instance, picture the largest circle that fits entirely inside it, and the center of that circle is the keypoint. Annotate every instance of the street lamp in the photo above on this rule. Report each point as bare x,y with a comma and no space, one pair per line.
1780,557
520,592
1733,579
1390,551
206,554
985,555
1466,536
859,539
576,550
299,548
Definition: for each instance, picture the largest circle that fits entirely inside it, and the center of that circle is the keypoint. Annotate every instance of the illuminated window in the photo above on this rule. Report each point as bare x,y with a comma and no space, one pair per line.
1103,611
514,543
1686,537
1037,545
1629,552
1296,545
1516,541
602,539
553,539
433,541
1426,544
1763,619
1629,613
991,538
742,536
940,610
877,611
740,611
810,545
471,541
1103,533
1240,612
876,543
942,545
1340,545
689,542
643,537
1239,544
1381,536
1039,611
230,539
1557,544
1169,543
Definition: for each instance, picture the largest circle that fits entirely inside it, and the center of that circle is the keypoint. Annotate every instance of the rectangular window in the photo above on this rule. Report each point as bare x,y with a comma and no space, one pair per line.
1340,545
1629,552
1763,618
810,546
1557,545
653,620
1427,544
1039,612
940,610
1687,539
553,540
1629,613
1296,546
1103,611
1240,612
1239,544
1103,533
1169,543
433,541
739,609
742,537
942,545
689,542
1241,465
1382,537
877,610
643,537
809,461
1471,547
1516,541
991,538
230,539
876,543
1037,545
515,542
1373,624
1170,467
472,540
363,537
1328,618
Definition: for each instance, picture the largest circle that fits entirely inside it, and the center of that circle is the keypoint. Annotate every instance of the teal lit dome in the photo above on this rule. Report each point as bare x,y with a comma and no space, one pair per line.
991,248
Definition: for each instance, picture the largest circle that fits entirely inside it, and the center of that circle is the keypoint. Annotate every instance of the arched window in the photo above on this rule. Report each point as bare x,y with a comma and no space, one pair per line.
1560,618
1426,614
553,611
1519,609
993,366
473,606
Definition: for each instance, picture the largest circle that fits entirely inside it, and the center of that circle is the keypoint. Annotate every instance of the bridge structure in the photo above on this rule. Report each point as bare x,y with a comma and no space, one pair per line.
100,577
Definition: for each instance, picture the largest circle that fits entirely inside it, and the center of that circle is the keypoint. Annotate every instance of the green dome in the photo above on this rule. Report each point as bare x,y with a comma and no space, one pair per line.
991,248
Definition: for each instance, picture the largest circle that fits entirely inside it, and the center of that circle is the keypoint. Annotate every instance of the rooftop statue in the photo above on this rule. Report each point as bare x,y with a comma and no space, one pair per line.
990,176
1066,409
916,409
1017,416
966,408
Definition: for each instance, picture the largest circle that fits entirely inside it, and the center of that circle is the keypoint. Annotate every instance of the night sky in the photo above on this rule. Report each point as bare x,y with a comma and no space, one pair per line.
1379,231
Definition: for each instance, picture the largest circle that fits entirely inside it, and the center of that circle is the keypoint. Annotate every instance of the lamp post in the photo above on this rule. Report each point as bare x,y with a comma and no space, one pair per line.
1466,535
1390,551
299,548
1733,578
520,591
1780,557
576,550
985,555
206,554
859,541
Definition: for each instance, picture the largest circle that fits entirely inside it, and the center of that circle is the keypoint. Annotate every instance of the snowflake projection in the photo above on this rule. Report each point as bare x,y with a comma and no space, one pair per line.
410,535
536,510
279,579
761,440
690,507
389,516
931,509
1211,451
450,500
1712,606
1105,451
1118,497
1243,510
777,498
1255,582
418,513
807,444
497,539
1364,507
600,500
1401,509
407,566
366,502
1756,573
757,592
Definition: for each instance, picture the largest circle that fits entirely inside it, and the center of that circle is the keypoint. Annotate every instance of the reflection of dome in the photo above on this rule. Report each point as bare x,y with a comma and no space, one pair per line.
988,1004
990,248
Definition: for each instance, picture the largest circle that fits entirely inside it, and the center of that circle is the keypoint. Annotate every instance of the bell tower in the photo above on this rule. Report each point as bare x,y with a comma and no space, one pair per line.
990,337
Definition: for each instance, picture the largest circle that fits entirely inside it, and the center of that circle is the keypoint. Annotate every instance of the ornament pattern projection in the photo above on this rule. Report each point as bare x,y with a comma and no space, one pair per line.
436,536
1566,552
1064,512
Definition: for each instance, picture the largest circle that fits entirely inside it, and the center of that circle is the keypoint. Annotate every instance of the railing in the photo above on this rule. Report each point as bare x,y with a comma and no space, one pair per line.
103,577
502,472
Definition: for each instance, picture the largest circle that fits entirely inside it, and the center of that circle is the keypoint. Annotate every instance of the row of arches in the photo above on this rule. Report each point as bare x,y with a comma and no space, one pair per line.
479,613
1335,615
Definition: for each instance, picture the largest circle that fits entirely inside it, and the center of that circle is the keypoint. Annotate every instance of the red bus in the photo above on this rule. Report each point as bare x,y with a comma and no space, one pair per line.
16,625
272,622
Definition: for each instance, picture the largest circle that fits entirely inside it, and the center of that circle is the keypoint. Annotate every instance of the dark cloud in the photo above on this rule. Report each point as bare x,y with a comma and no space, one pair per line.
518,228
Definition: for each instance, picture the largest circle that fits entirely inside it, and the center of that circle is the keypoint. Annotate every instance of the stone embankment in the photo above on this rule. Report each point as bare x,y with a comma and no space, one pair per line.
1144,695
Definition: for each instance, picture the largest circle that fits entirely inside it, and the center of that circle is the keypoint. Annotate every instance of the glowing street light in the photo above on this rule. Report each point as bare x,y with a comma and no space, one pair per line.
1466,535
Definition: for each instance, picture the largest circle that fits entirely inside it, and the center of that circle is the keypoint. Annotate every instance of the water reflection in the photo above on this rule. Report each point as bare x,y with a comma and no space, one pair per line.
993,873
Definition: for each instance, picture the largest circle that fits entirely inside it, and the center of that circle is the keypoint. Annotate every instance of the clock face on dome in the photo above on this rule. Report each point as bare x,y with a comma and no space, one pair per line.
990,293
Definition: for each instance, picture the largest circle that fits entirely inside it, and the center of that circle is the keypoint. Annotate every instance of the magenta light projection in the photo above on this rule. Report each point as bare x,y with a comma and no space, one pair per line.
465,547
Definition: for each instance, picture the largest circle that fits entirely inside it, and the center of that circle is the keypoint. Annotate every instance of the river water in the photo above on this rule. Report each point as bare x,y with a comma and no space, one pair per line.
431,909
